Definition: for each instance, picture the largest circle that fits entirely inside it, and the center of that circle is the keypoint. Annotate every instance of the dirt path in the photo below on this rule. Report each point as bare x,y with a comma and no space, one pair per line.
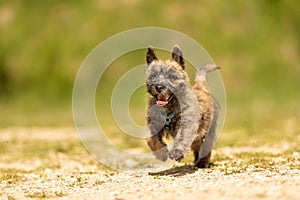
75,175
206,184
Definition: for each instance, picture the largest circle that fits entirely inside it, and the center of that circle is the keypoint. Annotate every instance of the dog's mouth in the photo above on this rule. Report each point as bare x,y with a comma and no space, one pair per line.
162,99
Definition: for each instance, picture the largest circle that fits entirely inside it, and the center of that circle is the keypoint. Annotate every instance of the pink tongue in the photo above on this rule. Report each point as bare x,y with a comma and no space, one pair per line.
162,100
161,103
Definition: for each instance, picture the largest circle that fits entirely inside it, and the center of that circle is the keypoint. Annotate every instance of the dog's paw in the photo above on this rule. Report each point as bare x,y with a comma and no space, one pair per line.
161,154
176,154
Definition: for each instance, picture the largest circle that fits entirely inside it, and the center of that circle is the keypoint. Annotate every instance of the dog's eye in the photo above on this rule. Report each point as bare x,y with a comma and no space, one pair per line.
173,76
152,76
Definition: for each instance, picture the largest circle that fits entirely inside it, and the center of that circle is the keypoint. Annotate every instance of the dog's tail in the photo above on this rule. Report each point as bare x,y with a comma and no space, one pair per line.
201,73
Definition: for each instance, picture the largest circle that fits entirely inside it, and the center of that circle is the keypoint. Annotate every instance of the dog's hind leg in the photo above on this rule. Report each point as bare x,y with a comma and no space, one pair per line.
203,162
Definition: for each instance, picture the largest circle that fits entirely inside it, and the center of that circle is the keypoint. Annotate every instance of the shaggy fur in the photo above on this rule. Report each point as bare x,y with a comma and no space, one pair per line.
188,115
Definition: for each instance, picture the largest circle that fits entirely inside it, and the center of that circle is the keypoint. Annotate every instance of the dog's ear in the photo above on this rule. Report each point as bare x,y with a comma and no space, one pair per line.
150,55
177,56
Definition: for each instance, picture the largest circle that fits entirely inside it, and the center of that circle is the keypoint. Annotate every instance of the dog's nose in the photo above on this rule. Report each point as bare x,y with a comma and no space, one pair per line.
159,88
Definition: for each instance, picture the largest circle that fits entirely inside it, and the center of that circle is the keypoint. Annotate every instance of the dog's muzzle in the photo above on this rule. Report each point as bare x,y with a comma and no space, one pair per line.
162,99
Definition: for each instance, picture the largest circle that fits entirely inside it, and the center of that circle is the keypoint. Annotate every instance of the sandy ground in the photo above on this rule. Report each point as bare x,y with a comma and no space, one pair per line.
80,177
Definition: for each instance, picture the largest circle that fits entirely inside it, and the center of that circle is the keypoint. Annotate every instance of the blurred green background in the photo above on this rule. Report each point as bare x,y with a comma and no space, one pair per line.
257,43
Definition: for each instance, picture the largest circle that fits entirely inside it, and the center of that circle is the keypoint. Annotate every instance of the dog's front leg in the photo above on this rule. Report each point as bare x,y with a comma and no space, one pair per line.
182,142
158,147
188,125
156,126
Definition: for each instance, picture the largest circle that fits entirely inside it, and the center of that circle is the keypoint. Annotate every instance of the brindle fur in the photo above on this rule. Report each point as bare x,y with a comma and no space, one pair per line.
196,111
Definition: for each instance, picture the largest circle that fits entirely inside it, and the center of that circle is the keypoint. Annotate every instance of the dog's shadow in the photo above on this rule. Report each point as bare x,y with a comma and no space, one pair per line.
176,171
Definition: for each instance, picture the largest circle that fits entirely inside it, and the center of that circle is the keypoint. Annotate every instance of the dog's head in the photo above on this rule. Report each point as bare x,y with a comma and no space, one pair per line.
164,79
